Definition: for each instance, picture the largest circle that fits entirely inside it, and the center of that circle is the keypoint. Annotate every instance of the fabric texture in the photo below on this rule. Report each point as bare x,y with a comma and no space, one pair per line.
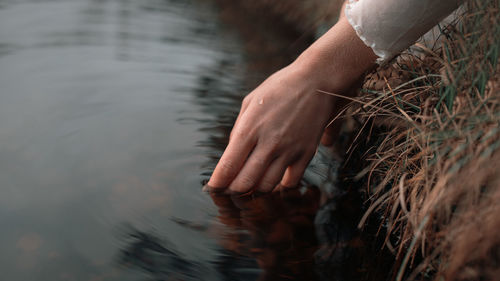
391,26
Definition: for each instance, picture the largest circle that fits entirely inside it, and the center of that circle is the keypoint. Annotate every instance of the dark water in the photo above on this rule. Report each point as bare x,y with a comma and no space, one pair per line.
113,113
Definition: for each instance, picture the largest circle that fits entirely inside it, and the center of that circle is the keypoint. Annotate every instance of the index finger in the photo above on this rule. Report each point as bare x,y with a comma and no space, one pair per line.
230,163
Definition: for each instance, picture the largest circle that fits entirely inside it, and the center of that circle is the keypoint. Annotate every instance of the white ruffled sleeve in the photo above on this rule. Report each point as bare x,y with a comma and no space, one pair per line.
391,26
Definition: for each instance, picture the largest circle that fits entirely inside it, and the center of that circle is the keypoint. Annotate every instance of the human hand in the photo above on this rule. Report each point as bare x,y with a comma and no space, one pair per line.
275,135
281,122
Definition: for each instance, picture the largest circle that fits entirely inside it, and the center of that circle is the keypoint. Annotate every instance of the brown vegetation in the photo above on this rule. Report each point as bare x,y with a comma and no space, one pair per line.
432,119
433,174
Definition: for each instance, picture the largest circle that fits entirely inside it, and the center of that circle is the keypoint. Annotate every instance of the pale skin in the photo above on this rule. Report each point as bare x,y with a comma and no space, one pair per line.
281,122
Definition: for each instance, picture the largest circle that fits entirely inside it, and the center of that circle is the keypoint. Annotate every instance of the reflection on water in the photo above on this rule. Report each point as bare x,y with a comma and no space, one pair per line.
112,113
279,232
146,252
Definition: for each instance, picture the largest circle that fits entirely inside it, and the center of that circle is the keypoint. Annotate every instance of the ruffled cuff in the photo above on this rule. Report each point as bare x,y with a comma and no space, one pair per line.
355,21
391,26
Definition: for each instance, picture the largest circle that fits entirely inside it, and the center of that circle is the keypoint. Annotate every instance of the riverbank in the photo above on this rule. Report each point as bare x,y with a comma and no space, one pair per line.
428,142
430,130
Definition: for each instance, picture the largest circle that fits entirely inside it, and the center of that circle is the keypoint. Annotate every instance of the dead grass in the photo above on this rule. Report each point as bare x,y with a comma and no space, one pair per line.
433,174
433,170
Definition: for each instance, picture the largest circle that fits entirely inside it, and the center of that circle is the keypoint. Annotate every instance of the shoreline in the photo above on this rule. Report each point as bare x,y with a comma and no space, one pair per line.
430,172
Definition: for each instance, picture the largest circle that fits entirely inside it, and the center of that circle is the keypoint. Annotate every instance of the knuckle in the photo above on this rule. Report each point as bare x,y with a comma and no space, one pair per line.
242,132
239,133
258,161
298,153
246,101
266,185
246,182
276,142
227,167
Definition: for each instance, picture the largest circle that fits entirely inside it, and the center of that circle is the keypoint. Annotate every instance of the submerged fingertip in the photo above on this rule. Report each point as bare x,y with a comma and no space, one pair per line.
239,192
287,185
213,189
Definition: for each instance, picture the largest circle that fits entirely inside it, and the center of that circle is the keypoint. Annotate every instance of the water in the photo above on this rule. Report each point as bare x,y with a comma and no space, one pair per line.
112,114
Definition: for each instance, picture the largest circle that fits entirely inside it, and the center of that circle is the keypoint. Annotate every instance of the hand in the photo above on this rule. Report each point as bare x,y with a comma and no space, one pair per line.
281,122
275,135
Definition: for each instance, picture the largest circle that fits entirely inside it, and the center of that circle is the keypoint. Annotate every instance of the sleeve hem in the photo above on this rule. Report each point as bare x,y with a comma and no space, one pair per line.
383,56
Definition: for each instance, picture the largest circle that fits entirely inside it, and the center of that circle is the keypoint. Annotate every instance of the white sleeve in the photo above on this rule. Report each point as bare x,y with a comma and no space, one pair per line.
391,26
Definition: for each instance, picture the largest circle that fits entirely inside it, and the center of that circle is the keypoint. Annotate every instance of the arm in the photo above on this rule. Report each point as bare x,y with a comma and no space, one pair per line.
390,26
281,122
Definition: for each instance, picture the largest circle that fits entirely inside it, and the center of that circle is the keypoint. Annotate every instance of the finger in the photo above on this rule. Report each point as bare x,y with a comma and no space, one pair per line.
231,162
235,124
272,176
332,131
244,107
294,173
330,134
251,172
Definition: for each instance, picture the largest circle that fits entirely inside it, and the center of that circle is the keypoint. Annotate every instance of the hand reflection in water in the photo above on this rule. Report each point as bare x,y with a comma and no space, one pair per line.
279,231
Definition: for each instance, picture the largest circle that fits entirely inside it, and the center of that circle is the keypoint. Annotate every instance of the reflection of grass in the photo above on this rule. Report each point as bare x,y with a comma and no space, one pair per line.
433,172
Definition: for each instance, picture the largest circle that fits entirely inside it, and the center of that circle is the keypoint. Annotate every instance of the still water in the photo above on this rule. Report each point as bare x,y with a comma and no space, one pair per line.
112,114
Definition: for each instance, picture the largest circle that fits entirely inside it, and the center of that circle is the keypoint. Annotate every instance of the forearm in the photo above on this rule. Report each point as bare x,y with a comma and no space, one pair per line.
383,29
337,59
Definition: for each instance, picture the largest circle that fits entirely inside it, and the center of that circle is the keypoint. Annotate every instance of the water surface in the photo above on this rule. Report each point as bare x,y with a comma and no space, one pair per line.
112,114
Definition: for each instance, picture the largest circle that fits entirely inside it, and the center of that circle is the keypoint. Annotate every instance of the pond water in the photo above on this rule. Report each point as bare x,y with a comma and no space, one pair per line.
112,114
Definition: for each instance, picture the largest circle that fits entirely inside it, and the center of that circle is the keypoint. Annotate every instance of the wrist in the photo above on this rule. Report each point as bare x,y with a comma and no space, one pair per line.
336,60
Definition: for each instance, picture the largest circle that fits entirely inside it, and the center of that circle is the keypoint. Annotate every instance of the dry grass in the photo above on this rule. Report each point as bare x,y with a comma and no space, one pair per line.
433,174
434,171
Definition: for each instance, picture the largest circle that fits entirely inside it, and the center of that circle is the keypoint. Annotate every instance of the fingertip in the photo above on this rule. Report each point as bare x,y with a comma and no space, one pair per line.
265,188
285,190
326,139
227,168
238,190
249,176
293,175
212,189
272,176
213,184
278,188
330,134
223,174
223,177
289,183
